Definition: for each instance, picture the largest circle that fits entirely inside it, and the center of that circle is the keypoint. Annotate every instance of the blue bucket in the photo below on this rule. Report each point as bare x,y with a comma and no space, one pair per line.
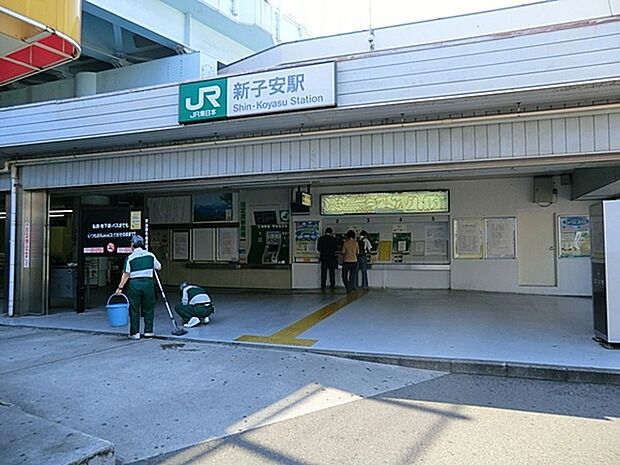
117,313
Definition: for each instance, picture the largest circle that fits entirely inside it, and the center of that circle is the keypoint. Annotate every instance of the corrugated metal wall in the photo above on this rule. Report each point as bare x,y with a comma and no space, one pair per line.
94,116
568,134
432,72
503,21
490,65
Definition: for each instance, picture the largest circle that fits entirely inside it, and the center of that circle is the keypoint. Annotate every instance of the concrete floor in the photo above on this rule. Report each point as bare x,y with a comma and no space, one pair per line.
151,397
513,328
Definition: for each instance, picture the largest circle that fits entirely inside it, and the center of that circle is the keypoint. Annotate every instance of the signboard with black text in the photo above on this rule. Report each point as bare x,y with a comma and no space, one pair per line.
288,89
108,231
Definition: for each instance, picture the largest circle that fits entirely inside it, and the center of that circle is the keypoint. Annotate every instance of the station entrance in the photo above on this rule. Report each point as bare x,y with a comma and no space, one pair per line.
211,237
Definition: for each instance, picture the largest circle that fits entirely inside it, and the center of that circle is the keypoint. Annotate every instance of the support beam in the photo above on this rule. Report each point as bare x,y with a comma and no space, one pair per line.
146,25
118,40
164,24
31,264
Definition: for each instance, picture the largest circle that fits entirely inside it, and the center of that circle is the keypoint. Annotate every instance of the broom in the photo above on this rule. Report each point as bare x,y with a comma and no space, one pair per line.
176,331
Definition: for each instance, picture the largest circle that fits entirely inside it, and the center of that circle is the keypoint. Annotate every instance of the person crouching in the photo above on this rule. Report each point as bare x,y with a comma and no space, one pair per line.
195,307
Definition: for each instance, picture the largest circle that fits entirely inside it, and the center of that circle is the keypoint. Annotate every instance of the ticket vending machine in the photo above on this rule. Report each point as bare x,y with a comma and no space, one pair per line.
273,242
605,221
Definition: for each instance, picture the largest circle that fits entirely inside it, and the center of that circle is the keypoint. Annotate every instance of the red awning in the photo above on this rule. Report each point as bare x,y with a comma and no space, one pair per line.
46,52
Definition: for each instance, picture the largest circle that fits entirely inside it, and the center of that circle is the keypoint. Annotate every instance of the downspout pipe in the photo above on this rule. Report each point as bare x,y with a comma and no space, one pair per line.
12,240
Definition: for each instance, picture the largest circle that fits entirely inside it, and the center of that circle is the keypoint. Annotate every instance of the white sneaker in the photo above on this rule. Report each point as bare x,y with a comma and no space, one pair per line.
193,321
135,337
206,320
149,334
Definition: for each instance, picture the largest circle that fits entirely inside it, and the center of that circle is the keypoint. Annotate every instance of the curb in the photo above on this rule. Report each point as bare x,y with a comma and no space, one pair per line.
489,368
576,374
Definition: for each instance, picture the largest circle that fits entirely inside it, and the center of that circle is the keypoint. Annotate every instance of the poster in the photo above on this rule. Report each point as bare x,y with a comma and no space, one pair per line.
180,245
243,243
436,240
307,233
135,220
468,238
575,238
419,248
242,220
385,251
227,244
500,237
401,246
27,244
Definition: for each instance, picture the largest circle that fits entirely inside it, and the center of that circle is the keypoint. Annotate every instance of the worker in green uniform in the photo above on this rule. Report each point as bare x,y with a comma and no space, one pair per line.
138,270
195,307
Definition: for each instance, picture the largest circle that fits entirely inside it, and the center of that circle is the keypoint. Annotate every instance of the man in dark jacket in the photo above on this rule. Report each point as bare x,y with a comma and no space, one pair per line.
327,247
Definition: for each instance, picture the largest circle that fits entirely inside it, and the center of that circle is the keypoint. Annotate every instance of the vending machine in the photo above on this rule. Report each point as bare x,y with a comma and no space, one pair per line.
273,241
605,221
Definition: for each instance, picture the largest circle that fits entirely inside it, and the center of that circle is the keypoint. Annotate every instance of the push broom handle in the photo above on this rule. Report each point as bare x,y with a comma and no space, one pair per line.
177,330
163,294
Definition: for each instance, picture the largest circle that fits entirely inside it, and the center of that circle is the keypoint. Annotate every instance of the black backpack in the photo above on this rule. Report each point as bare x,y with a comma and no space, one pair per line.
360,244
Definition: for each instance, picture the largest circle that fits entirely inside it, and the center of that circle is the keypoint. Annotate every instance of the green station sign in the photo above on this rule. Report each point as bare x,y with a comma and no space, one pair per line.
287,89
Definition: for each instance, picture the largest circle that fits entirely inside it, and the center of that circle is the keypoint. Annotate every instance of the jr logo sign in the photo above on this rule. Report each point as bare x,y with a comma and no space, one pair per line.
211,92
202,101
275,91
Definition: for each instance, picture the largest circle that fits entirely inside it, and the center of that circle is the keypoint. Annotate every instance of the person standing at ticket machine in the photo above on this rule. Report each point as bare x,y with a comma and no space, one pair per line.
350,250
363,258
327,247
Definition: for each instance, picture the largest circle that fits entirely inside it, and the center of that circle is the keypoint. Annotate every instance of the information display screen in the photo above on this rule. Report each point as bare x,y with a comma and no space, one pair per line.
265,217
380,203
107,231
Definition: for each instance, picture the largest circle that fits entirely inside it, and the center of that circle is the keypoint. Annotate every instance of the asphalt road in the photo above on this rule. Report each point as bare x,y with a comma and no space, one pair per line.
454,419
195,403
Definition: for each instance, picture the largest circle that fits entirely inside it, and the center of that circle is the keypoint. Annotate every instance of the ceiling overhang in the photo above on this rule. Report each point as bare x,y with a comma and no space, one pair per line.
35,38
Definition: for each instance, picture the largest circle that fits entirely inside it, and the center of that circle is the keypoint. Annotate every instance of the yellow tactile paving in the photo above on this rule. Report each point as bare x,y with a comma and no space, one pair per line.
288,335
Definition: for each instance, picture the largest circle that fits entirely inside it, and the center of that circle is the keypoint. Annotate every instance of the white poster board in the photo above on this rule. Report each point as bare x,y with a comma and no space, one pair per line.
203,249
436,239
468,235
500,237
180,245
228,244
